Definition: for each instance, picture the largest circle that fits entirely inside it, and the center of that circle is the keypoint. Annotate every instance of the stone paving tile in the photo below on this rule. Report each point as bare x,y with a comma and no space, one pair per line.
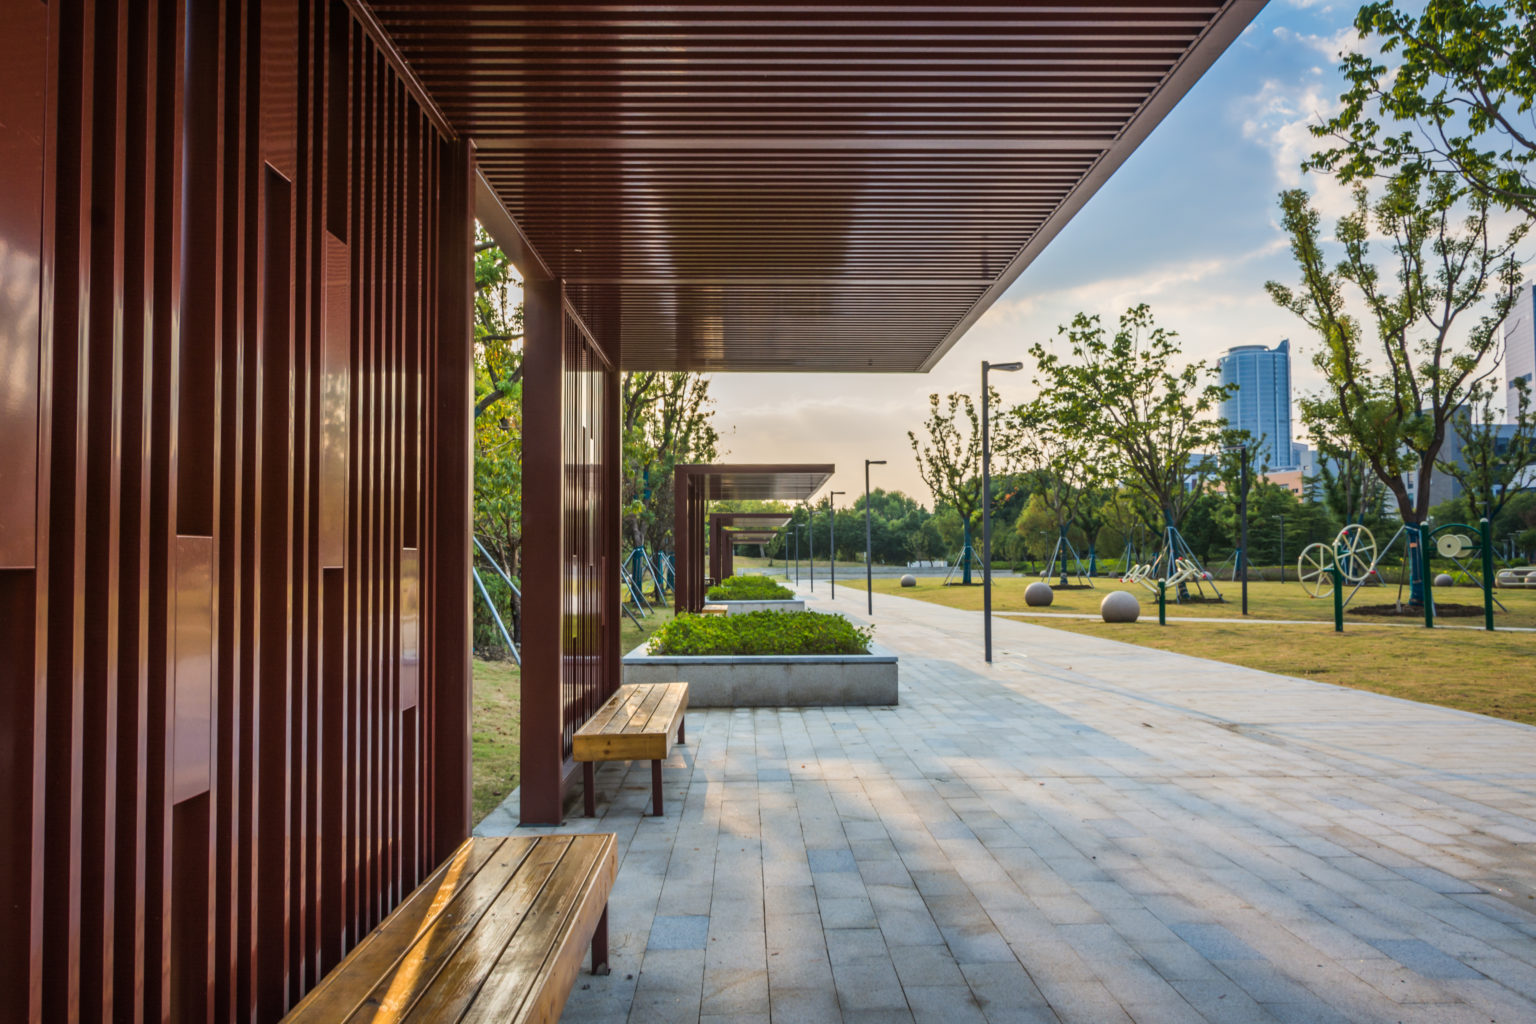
1083,831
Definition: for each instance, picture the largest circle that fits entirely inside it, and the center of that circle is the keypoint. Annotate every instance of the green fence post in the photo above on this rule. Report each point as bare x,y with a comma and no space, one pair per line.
1485,531
1162,602
1338,597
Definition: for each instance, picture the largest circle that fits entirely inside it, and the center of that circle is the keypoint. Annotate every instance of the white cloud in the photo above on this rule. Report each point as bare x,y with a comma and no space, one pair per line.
1332,47
1279,118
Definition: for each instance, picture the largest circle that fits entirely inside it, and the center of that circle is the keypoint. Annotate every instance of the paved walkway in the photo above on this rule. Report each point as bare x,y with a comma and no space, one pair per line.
1085,831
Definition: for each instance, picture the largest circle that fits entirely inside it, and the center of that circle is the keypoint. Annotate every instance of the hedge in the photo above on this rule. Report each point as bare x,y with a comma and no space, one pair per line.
764,632
748,588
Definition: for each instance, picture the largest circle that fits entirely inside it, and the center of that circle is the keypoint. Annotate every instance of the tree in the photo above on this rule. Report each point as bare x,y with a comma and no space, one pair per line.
1457,102
1066,470
949,459
1344,483
667,419
1494,464
1124,520
1122,397
498,431
1393,409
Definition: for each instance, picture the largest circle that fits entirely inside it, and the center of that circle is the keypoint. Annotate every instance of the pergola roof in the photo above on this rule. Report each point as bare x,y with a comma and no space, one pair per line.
773,186
756,522
756,482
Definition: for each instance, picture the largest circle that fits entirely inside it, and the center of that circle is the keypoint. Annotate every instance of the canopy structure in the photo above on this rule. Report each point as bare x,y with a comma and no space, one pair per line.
237,242
790,186
727,529
696,484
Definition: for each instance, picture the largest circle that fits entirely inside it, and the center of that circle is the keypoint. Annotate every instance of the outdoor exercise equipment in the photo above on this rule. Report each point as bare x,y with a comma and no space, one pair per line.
1457,546
1517,577
1353,557
1176,565
1353,550
1186,571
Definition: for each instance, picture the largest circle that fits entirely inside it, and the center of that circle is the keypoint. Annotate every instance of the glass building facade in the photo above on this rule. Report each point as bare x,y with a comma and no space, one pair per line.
1520,345
1261,405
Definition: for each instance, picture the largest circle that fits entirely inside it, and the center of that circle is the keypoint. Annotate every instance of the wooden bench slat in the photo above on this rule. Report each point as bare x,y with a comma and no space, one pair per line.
345,987
611,709
542,949
642,714
540,893
397,989
664,718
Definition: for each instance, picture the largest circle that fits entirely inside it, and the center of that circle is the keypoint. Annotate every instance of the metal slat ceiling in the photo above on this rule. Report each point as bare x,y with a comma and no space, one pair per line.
779,186
757,481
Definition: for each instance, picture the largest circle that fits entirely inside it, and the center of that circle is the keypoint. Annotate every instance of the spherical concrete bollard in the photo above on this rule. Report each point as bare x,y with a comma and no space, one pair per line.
1444,580
1120,606
909,580
1039,594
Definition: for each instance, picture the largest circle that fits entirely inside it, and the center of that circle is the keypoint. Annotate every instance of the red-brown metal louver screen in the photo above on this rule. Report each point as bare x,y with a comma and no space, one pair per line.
234,319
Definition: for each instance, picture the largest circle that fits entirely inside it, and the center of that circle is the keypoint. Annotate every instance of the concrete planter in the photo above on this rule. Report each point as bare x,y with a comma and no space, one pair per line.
742,607
772,681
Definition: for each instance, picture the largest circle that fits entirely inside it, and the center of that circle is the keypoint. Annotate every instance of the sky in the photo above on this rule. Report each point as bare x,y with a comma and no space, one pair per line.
1188,224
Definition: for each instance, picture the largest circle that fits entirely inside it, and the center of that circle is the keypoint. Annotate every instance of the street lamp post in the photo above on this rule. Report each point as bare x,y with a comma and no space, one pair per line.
810,544
1242,516
1281,516
986,502
832,536
869,571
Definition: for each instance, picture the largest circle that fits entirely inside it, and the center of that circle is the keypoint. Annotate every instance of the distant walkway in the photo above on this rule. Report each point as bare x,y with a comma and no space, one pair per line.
1084,831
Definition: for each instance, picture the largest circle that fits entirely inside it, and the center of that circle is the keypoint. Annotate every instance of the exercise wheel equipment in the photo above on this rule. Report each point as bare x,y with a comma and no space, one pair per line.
1354,552
1355,549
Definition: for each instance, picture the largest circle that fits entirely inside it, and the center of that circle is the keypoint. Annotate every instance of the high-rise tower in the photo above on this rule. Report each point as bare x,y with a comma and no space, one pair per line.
1262,403
1520,345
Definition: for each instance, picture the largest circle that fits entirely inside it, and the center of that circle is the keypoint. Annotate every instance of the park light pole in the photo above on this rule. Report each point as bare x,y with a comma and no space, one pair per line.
1281,516
986,502
1242,515
832,536
869,572
810,543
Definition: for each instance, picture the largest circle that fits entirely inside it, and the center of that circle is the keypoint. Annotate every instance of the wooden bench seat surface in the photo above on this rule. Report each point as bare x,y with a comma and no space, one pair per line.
635,724
498,932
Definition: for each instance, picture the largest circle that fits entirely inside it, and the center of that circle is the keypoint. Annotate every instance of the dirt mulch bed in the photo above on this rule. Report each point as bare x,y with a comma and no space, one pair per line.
1442,611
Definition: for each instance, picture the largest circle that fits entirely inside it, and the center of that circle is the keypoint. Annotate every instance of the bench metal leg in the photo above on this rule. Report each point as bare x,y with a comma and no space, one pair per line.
656,787
681,719
600,944
588,781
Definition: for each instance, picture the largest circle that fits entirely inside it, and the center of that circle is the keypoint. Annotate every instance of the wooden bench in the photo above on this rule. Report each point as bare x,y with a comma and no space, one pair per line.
498,932
635,724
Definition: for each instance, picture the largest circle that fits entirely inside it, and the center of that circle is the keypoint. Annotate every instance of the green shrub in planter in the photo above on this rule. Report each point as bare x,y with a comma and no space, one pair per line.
763,632
748,588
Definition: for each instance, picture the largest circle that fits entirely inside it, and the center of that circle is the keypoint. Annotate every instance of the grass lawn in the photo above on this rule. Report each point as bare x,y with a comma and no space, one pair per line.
494,719
1489,673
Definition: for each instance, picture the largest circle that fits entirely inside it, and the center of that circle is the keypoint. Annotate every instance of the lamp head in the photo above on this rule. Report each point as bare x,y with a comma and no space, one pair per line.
874,462
1005,367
